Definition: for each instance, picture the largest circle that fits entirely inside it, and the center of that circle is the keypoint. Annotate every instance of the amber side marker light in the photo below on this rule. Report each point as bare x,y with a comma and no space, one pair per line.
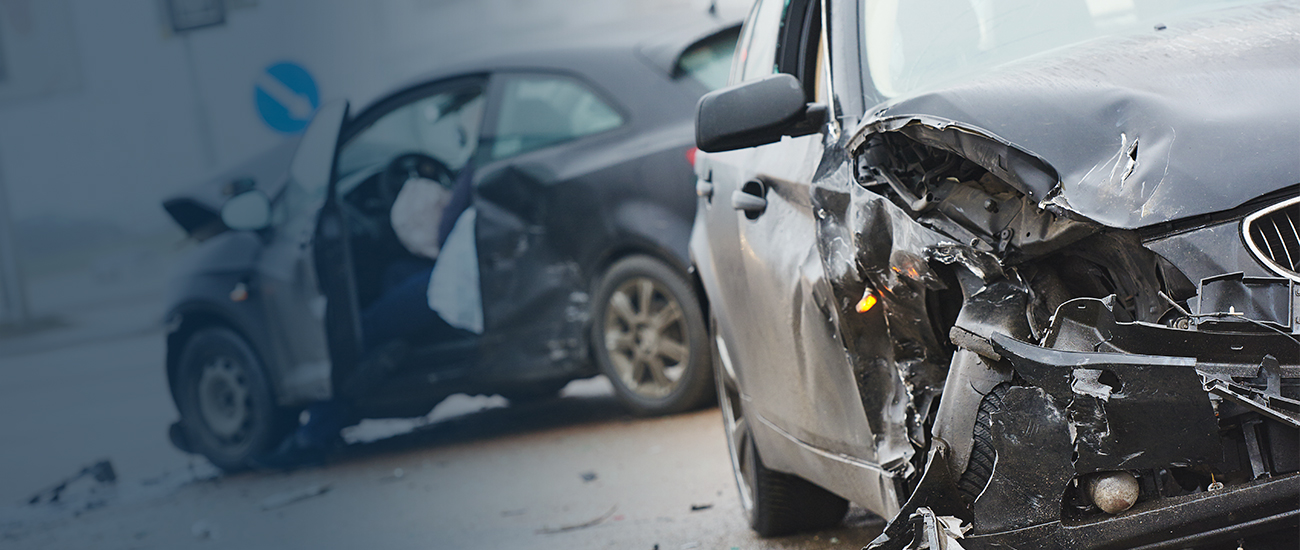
867,302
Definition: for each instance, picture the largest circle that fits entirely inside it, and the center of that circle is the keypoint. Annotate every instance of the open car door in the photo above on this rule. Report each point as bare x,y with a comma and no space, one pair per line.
305,279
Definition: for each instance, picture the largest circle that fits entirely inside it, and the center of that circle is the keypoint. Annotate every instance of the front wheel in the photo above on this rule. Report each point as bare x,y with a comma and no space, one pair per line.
228,410
775,503
649,337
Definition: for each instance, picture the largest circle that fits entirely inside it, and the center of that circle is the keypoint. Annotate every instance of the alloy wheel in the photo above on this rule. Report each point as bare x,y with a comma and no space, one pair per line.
646,337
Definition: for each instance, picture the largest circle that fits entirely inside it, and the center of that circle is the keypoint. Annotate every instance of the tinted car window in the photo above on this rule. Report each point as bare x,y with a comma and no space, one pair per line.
537,111
710,60
444,126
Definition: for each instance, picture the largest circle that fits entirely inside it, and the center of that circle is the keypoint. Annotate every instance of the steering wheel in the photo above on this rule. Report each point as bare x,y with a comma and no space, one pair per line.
412,165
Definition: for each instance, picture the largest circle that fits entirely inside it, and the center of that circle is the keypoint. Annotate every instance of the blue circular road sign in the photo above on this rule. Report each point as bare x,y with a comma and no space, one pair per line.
286,96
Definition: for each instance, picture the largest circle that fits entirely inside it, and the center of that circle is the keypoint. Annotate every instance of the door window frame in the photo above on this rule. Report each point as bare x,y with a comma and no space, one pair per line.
496,90
363,120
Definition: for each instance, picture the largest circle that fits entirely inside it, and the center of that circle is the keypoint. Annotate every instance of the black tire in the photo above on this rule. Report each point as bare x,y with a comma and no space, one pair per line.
629,341
785,504
227,406
775,503
979,469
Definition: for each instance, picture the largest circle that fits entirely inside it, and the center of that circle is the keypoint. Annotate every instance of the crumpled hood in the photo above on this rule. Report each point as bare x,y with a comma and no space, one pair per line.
1147,128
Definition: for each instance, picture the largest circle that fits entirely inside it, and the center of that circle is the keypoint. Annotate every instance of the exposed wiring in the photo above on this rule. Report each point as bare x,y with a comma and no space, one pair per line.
1242,316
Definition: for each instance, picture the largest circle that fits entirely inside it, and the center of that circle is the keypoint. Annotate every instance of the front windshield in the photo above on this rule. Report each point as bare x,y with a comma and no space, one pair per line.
911,44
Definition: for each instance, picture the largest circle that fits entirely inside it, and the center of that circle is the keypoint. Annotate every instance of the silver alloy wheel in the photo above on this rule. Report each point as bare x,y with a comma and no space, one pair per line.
646,337
733,422
224,399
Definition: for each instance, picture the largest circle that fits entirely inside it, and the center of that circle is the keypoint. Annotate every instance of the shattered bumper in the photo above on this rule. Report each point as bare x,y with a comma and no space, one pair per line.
1207,422
1228,514
1106,396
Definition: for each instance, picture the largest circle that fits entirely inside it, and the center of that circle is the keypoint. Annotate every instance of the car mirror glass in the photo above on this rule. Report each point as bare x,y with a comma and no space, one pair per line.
249,211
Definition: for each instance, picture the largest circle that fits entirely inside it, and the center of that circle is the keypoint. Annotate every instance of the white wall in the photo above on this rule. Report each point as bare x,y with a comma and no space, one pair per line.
126,133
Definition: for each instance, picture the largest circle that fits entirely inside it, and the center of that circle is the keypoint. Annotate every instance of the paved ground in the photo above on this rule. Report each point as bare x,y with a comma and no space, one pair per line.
506,476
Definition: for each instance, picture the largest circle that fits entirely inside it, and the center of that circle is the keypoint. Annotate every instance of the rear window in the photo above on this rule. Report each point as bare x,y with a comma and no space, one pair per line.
709,61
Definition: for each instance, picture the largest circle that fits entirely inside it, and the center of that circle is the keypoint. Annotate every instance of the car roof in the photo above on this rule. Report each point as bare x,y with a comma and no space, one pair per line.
656,44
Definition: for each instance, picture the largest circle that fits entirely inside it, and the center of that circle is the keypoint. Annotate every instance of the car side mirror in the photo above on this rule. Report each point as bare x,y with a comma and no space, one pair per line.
755,113
247,211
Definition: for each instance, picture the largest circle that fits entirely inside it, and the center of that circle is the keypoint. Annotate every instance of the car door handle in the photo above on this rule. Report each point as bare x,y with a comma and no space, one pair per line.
749,199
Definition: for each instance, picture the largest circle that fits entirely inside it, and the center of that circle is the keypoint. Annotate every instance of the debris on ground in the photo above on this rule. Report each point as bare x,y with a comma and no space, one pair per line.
85,490
588,477
690,545
286,498
567,528
698,507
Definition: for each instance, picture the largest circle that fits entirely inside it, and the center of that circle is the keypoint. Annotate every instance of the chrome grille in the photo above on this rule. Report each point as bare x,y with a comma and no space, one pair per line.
1273,234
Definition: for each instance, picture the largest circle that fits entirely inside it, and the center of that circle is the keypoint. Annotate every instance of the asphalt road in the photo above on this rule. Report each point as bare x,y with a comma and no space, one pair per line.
572,472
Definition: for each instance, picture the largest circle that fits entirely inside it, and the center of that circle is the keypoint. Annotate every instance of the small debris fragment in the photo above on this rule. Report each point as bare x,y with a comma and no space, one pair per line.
690,545
698,507
588,477
286,498
99,474
566,528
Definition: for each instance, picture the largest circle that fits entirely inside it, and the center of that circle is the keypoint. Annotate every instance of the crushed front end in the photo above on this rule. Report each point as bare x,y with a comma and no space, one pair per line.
1098,387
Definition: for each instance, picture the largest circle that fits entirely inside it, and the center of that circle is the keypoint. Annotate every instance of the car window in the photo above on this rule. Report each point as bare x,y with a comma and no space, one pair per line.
907,47
758,56
444,125
537,111
709,60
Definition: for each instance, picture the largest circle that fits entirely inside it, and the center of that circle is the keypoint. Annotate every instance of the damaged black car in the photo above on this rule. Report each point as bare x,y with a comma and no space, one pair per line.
568,256
1010,274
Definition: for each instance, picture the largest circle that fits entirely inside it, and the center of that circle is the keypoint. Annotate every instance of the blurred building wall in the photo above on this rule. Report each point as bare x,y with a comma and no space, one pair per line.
104,110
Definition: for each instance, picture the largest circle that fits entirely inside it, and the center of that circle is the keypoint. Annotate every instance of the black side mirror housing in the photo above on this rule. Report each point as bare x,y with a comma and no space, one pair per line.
755,113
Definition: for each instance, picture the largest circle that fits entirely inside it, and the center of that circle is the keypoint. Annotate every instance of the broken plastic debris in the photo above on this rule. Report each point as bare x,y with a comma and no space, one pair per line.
89,486
698,507
588,477
289,497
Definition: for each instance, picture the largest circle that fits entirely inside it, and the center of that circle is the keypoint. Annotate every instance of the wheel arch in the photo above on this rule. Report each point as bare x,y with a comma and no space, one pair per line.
187,319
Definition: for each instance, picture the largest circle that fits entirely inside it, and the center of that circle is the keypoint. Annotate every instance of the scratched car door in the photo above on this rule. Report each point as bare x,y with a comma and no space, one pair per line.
534,294
782,327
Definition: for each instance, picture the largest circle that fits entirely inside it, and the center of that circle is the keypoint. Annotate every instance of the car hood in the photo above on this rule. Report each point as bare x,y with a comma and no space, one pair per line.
1195,118
198,209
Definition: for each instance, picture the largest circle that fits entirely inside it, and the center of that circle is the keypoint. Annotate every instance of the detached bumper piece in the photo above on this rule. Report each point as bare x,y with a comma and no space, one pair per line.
1207,422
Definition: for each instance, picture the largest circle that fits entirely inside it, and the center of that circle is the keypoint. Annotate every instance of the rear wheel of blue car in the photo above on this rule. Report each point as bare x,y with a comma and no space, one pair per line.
649,337
775,503
228,410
